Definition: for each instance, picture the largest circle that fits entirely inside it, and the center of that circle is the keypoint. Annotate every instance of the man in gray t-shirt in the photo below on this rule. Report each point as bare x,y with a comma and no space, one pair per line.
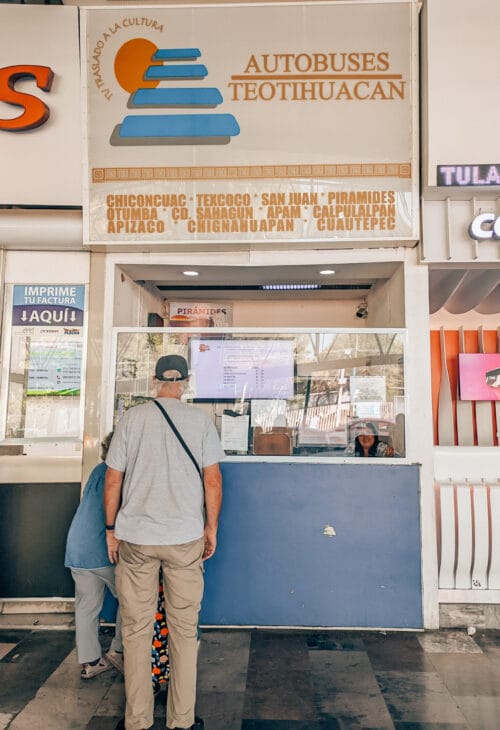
153,501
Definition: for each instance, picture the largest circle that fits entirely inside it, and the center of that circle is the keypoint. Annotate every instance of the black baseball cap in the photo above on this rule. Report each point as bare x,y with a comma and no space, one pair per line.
171,362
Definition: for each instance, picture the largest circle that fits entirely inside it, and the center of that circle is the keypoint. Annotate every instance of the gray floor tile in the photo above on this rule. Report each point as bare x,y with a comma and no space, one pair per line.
489,642
346,688
482,713
471,674
291,699
418,697
24,670
278,679
397,653
221,710
223,661
5,720
68,701
335,641
327,724
13,636
349,672
430,726
113,700
5,648
275,680
448,642
358,711
36,621
102,723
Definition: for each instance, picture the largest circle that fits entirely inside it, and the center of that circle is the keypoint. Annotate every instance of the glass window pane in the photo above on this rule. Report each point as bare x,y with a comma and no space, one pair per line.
43,398
306,394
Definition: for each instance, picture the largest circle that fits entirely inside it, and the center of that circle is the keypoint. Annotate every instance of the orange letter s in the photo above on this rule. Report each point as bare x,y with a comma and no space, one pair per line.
35,112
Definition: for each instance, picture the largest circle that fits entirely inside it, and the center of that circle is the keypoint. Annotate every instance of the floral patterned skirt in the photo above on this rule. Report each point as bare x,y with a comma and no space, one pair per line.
159,651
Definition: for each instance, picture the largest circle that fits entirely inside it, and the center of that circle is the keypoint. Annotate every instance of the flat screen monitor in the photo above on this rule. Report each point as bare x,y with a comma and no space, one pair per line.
237,369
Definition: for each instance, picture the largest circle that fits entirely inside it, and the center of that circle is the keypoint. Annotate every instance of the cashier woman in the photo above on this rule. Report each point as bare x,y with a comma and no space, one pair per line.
365,442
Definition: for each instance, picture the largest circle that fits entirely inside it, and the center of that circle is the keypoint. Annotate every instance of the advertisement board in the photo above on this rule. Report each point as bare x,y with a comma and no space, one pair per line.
250,123
45,372
200,314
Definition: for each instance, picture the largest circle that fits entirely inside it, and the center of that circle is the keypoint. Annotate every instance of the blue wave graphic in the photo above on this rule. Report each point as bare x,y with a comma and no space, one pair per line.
175,129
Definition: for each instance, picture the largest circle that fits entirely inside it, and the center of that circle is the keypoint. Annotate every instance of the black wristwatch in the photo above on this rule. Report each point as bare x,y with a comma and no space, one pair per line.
109,527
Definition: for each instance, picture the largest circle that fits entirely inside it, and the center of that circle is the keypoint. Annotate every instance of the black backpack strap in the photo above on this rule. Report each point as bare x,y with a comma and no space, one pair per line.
181,440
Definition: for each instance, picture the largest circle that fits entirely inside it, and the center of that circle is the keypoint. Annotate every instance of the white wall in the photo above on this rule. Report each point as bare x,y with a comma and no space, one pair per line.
386,302
459,83
40,267
43,166
297,313
132,302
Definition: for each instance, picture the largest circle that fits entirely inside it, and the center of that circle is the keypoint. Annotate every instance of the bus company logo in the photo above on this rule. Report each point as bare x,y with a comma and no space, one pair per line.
172,79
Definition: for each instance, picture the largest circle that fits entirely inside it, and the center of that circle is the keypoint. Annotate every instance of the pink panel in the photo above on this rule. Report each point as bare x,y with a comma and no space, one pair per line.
479,376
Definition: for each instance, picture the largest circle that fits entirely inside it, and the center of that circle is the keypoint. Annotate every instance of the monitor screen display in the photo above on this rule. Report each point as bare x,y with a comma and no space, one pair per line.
241,369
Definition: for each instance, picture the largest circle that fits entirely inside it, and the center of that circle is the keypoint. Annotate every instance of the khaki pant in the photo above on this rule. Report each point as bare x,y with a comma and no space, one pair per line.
137,588
89,596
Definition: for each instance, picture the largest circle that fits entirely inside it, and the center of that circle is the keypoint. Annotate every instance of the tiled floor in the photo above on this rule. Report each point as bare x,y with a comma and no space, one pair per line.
273,680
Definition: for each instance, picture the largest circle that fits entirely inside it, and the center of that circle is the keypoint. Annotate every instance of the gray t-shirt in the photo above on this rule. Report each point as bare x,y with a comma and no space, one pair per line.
162,495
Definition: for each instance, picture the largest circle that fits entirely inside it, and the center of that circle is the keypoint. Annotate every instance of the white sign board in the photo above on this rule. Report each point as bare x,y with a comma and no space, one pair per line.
40,127
460,86
251,123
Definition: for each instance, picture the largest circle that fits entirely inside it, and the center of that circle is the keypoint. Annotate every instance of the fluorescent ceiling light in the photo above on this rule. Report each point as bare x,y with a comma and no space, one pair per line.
288,287
191,273
326,272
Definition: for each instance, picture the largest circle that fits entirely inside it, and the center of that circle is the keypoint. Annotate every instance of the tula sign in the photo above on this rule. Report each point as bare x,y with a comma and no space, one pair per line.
34,111
468,175
484,227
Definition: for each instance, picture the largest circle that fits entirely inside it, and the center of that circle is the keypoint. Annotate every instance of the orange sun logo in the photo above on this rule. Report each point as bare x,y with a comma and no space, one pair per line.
131,61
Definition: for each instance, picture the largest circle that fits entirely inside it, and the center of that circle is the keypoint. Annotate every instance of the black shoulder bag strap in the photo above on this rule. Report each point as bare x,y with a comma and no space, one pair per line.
181,440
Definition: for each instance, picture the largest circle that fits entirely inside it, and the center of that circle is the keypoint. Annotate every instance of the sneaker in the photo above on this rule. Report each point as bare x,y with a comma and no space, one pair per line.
92,670
116,659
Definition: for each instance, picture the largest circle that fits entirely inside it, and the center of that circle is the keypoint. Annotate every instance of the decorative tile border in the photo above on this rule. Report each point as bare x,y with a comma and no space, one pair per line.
241,172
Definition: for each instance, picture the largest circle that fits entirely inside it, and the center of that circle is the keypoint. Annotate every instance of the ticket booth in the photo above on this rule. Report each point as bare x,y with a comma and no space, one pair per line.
312,532
278,174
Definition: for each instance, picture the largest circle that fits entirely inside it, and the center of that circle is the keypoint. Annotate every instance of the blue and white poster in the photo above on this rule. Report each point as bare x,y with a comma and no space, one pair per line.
45,305
49,320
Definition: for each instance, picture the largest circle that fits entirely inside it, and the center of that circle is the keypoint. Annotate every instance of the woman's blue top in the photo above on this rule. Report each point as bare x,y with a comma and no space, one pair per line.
86,541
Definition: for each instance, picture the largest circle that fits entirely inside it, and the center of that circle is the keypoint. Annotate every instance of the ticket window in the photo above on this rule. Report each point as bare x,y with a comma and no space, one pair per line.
279,393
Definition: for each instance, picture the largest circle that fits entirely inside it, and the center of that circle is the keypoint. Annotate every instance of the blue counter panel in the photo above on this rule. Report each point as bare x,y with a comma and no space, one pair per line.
275,566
